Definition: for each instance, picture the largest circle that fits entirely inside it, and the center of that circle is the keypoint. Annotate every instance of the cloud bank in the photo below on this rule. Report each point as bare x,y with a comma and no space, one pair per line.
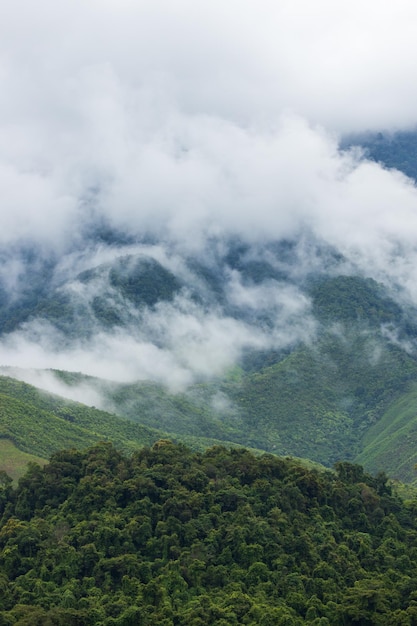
190,121
189,124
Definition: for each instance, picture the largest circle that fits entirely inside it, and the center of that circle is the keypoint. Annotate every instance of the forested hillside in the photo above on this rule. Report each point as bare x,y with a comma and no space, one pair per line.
35,424
334,397
41,424
168,536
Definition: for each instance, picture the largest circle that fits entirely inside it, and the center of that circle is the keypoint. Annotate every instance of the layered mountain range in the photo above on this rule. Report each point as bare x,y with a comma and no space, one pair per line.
289,346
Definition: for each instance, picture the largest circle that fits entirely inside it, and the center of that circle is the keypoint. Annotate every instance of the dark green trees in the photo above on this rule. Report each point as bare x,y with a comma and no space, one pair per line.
173,537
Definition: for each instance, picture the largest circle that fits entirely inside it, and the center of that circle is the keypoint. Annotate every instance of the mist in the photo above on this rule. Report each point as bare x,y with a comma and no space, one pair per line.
169,130
175,342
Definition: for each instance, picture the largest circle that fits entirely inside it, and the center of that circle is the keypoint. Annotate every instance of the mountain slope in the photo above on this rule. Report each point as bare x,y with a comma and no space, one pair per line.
317,402
394,150
38,423
14,461
41,423
390,445
323,402
294,362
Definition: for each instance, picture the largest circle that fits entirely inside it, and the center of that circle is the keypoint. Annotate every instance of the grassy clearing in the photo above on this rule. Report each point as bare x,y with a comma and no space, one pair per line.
13,461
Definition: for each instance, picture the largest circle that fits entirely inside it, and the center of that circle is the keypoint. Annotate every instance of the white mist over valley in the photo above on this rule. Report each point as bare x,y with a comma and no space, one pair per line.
203,143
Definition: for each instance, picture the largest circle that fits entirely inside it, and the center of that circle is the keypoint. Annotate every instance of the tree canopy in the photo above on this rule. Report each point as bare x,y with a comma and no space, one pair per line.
171,536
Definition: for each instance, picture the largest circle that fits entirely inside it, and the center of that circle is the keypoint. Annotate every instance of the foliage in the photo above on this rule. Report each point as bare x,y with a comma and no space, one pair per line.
317,402
321,401
314,402
169,536
40,423
390,444
143,280
134,281
351,299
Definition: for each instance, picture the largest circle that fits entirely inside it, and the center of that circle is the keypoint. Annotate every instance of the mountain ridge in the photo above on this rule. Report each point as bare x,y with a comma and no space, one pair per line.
285,346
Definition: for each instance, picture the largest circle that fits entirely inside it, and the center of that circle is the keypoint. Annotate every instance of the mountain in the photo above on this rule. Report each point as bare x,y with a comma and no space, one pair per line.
396,150
35,424
40,424
321,398
334,399
208,313
285,346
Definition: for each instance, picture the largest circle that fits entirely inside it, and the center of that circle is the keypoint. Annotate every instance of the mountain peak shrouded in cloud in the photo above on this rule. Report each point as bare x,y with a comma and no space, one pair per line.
168,131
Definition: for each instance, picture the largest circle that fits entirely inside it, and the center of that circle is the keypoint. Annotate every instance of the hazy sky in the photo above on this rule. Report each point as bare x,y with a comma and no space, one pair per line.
186,116
192,120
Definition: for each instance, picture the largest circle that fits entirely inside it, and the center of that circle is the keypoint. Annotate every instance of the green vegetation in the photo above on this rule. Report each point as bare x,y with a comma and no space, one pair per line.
119,530
319,402
352,299
36,431
346,396
143,280
133,280
391,444
15,462
41,423
173,537
316,403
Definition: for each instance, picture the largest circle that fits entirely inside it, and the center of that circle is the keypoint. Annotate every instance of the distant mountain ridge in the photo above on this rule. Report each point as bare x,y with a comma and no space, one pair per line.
282,346
396,150
314,400
321,402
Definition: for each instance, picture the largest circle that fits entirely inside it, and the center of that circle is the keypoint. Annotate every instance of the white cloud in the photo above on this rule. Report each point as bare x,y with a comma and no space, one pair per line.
176,343
188,119
193,121
47,379
346,65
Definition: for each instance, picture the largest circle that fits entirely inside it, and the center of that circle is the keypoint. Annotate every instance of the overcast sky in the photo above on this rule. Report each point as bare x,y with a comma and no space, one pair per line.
188,117
191,119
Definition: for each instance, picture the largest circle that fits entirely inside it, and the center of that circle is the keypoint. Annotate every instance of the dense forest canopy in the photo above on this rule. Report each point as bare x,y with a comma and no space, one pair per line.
174,537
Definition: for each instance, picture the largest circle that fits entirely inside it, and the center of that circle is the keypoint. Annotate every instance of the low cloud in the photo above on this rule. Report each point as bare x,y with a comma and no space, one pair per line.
87,392
175,343
194,126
